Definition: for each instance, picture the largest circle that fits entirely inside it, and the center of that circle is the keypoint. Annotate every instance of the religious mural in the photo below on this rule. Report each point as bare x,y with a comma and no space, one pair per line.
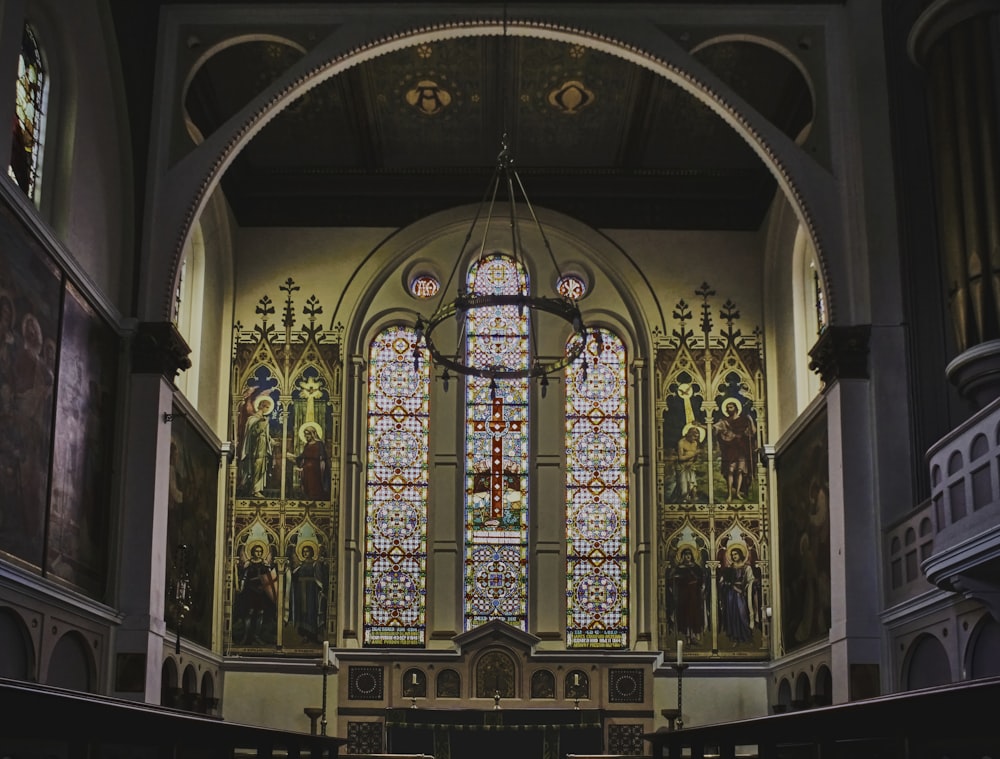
712,551
286,414
29,328
80,503
57,419
802,470
191,520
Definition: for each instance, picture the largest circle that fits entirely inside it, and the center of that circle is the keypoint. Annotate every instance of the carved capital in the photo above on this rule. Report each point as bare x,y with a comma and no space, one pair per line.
841,353
158,348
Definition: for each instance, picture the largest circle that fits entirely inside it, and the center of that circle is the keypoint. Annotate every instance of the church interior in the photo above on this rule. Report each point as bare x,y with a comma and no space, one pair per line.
399,371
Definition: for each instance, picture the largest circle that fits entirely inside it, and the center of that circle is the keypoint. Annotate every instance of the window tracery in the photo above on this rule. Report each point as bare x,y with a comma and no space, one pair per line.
597,495
396,502
29,116
496,452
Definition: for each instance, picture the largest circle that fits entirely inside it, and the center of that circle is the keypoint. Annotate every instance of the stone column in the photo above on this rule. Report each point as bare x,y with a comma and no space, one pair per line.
956,43
840,357
158,353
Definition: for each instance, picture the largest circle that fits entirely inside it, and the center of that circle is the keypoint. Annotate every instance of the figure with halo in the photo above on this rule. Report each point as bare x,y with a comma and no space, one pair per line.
736,435
688,448
306,600
256,449
312,463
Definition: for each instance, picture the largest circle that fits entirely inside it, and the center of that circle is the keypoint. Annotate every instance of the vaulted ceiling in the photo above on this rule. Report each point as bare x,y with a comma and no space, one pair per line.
418,130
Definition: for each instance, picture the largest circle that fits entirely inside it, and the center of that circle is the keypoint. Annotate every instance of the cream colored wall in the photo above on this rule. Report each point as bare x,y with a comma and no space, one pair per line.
787,354
714,699
210,367
322,262
87,179
677,262
276,699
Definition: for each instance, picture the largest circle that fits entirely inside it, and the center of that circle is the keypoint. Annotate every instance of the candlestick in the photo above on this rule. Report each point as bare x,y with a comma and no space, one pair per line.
323,665
680,651
413,678
679,667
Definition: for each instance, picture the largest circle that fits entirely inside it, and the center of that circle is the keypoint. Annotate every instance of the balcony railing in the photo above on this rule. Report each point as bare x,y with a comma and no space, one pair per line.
965,498
42,721
954,721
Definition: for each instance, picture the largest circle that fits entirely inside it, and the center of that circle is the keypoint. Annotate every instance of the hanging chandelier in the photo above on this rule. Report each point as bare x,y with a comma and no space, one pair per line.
544,313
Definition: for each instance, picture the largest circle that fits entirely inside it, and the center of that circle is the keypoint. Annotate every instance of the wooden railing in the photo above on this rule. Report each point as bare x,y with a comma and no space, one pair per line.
956,721
41,721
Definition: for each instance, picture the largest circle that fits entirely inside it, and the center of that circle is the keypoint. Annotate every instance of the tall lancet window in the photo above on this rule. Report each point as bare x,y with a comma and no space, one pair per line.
396,514
597,496
29,116
496,451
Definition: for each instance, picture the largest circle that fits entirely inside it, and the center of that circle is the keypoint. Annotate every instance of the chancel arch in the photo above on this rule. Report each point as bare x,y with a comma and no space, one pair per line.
184,189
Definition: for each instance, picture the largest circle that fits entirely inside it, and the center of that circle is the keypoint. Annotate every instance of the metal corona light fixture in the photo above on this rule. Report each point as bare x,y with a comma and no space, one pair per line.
538,307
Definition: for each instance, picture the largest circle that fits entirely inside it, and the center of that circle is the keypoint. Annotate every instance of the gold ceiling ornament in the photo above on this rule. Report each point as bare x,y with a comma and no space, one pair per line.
571,98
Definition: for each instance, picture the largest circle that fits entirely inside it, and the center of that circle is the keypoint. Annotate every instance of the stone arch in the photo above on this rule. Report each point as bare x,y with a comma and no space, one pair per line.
183,190
784,696
208,700
191,693
17,652
982,655
71,664
925,664
169,683
823,688
803,692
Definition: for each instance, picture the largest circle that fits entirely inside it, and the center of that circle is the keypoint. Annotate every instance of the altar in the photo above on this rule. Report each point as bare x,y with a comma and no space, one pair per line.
495,734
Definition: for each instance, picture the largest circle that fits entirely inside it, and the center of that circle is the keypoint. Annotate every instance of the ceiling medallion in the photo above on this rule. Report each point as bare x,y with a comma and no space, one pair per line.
571,98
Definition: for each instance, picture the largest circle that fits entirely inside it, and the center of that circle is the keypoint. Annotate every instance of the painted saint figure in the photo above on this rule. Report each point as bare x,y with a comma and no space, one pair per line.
256,449
688,448
257,596
736,434
307,597
736,600
312,463
687,586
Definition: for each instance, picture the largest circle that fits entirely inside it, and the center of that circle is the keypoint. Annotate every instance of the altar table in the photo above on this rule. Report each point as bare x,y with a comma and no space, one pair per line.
496,733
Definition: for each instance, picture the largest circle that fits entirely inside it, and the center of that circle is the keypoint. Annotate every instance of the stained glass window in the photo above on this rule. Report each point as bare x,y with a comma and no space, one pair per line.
29,116
572,286
496,452
396,514
424,286
597,496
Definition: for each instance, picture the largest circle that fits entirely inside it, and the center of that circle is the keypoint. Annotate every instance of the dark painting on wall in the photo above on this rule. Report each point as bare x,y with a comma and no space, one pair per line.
29,322
804,544
191,522
79,518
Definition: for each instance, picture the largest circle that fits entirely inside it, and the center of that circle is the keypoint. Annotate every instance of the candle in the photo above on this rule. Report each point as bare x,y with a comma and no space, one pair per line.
576,678
326,652
413,678
680,652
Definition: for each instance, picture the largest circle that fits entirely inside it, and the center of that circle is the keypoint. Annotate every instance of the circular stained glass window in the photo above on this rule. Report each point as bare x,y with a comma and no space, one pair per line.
424,286
572,286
